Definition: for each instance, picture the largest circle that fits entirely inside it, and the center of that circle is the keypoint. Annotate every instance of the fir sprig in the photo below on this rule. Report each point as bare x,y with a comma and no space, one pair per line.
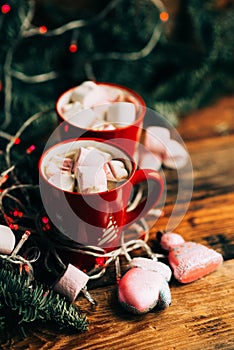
31,301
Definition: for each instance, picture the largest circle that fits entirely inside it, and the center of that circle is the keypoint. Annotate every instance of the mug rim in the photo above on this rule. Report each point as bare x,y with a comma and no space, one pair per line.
132,92
44,154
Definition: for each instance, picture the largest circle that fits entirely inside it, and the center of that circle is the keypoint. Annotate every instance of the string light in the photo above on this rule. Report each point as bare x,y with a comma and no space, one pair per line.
17,213
27,30
17,141
73,48
43,29
45,219
164,16
14,226
3,179
46,227
16,138
100,261
30,149
46,223
5,8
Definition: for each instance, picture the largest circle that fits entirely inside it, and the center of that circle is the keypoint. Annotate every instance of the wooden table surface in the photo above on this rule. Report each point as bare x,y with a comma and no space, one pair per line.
201,316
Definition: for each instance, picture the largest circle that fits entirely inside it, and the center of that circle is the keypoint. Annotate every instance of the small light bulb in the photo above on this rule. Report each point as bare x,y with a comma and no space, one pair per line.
73,48
5,8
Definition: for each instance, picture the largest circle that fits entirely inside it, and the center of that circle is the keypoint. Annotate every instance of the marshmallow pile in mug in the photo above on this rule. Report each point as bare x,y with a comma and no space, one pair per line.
99,107
87,170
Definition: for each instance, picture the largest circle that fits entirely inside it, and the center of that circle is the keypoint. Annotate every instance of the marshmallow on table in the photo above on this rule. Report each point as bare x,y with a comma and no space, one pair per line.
71,283
176,156
64,181
121,113
170,240
89,94
148,160
151,265
7,240
91,179
156,139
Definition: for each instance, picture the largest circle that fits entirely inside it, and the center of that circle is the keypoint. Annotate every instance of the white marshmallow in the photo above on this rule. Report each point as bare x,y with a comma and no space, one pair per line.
7,240
67,165
83,119
64,181
114,94
57,164
108,172
51,169
91,179
109,127
89,94
118,170
71,283
152,265
80,156
71,109
156,139
96,158
101,110
102,125
121,114
176,155
148,160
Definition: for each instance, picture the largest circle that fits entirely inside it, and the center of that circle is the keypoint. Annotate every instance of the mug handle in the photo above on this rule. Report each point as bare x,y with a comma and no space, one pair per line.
142,208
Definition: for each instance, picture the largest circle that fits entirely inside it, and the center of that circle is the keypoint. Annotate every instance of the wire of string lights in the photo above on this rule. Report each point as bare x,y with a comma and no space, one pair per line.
14,191
28,30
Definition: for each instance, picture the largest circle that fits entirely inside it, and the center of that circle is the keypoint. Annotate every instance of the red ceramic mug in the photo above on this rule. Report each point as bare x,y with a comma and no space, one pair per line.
96,219
127,136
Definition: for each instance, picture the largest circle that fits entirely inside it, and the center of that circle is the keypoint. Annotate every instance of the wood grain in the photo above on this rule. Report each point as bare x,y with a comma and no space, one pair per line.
201,316
214,120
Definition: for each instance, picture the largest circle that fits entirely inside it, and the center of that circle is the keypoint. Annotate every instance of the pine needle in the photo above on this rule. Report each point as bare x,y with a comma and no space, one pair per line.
33,302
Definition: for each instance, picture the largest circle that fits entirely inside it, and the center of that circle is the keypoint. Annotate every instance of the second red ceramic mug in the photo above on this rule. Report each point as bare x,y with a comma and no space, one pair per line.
127,136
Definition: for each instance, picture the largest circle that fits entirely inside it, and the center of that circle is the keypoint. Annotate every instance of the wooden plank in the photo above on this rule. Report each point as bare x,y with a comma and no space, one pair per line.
205,223
209,219
214,120
200,317
213,166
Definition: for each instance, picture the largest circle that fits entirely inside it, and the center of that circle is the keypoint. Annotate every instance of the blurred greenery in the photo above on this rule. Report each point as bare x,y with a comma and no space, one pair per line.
182,73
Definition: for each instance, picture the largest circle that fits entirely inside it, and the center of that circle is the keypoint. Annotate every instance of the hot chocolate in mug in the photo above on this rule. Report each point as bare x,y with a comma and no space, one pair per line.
102,110
86,187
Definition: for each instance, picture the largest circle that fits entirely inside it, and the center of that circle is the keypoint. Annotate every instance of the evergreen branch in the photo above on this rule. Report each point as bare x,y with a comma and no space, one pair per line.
32,302
8,62
72,24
